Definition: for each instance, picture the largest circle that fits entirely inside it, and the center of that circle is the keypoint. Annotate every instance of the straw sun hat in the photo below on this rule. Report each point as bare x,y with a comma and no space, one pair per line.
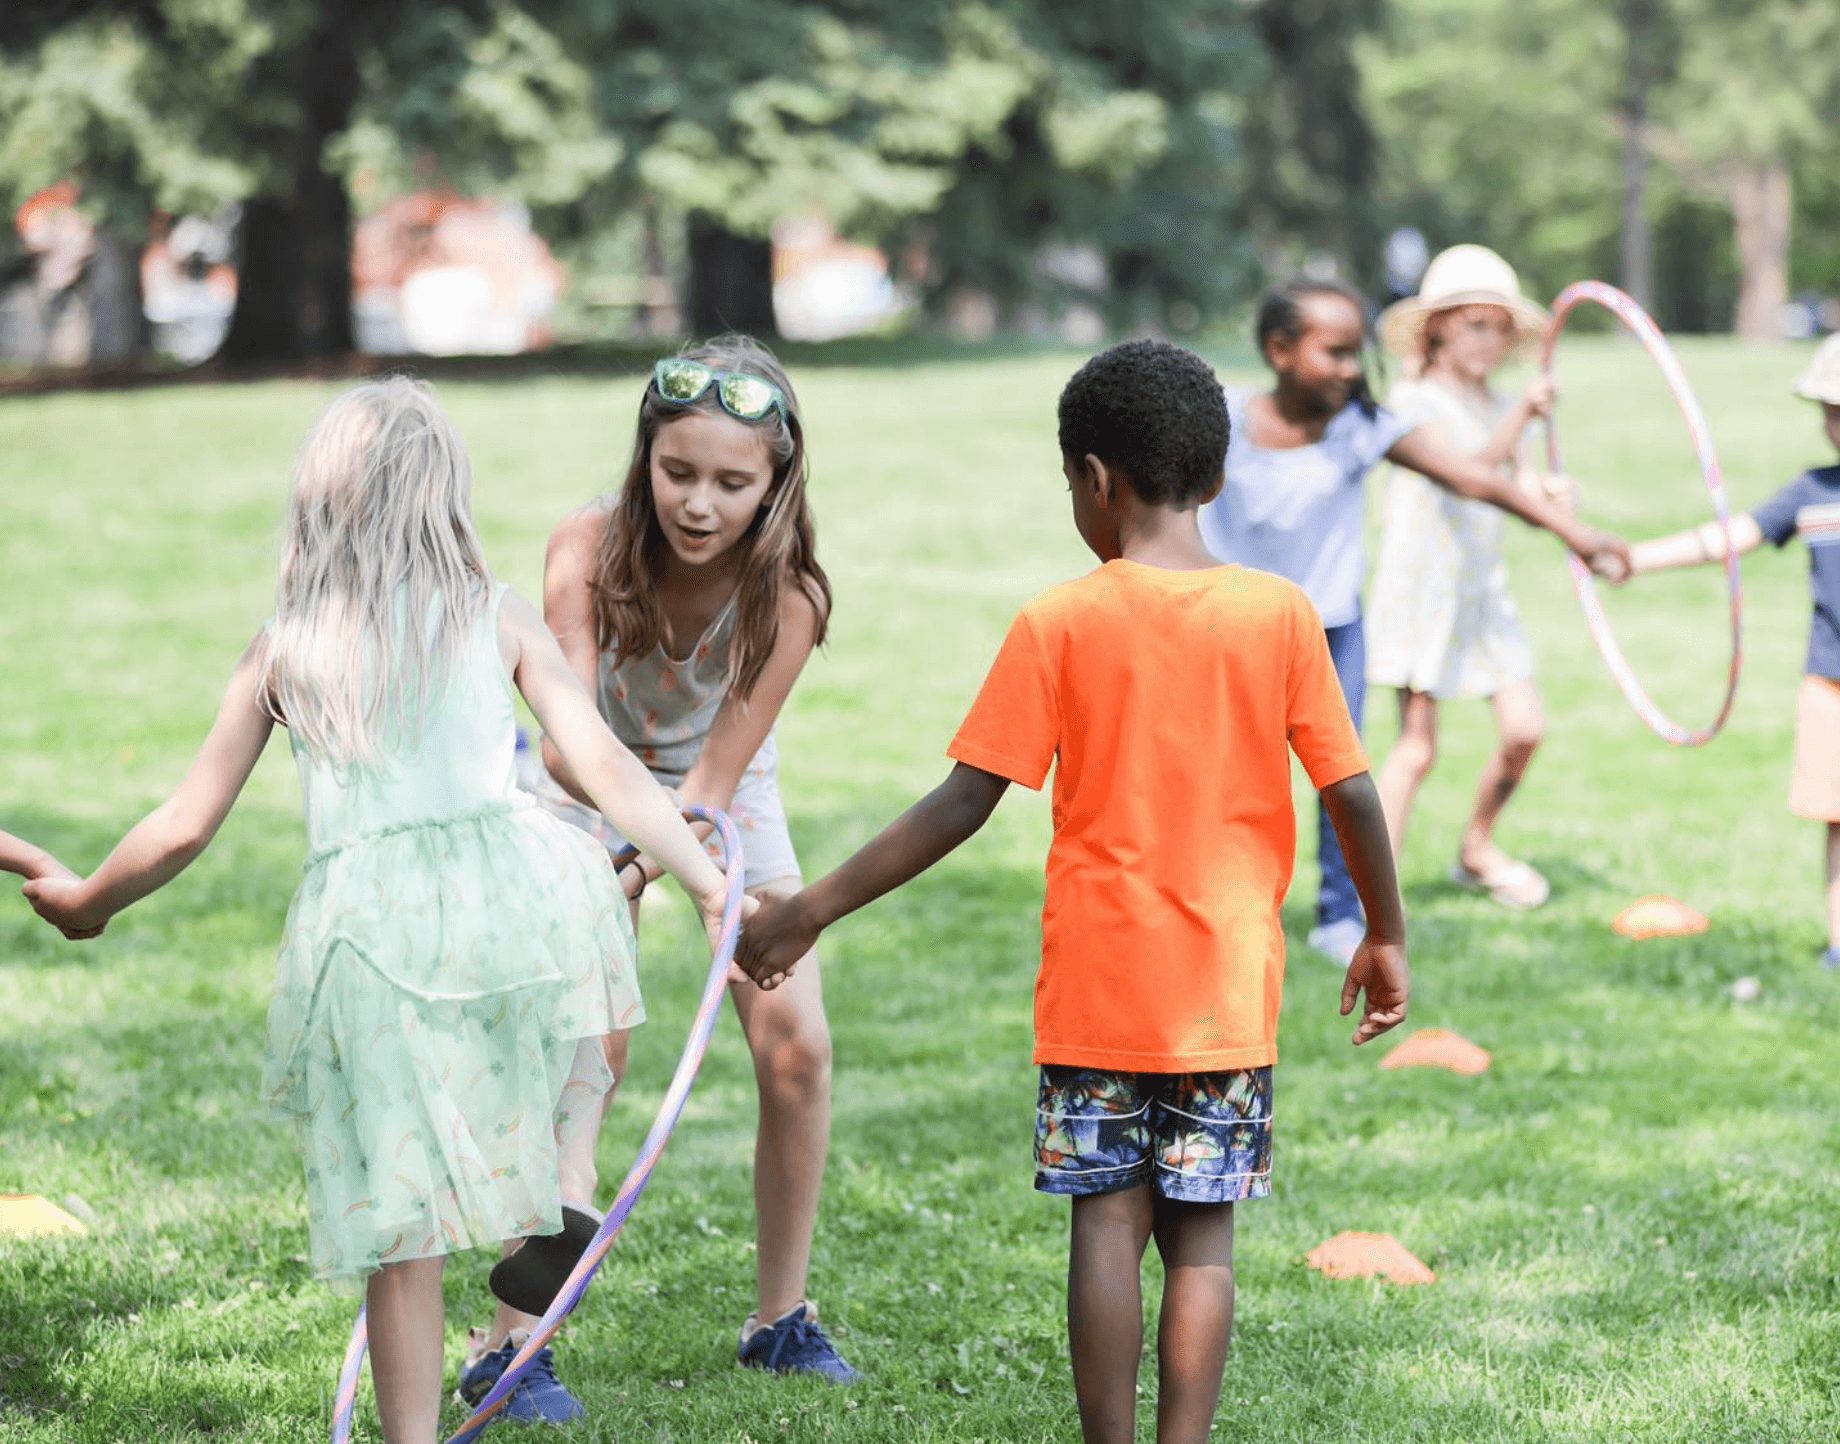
1461,276
1821,381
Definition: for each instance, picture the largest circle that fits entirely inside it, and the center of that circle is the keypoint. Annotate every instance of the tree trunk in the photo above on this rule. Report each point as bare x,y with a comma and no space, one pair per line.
1638,268
293,290
1761,206
731,281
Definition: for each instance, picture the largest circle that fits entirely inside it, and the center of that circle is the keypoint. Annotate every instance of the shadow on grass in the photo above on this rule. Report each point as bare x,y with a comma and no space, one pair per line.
592,359
588,359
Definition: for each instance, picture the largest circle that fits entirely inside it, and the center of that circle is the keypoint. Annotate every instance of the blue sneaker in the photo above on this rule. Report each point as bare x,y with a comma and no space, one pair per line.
1831,958
793,1344
1338,940
539,1397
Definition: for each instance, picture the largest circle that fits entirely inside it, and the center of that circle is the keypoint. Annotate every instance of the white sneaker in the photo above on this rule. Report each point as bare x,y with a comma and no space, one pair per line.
1338,940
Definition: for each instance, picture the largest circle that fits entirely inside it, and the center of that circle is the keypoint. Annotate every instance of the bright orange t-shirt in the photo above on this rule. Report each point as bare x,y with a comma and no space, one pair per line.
1169,702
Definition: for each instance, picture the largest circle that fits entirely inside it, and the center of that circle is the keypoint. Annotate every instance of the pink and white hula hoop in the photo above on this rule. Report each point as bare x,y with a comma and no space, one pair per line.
1642,327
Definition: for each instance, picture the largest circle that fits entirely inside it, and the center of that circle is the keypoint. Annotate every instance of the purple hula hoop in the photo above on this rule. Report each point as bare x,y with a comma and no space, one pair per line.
1641,325
708,1010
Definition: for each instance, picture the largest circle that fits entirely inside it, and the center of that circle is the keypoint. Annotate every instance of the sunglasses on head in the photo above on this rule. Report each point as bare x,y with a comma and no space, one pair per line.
679,381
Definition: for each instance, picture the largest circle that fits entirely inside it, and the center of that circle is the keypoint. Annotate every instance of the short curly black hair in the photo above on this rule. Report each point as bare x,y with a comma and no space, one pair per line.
1156,413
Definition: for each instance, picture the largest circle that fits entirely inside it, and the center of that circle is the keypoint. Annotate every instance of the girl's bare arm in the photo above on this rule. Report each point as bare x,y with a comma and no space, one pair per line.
568,611
160,846
1469,477
1504,442
613,781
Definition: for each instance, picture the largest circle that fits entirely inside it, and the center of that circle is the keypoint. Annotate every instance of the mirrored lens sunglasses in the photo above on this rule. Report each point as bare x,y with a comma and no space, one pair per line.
680,382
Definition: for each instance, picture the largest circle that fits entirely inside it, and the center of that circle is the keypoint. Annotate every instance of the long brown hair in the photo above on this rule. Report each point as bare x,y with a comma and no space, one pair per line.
781,543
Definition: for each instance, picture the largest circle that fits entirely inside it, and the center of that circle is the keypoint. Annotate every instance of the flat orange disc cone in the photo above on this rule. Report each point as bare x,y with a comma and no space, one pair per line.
26,1215
1438,1048
1659,917
1367,1255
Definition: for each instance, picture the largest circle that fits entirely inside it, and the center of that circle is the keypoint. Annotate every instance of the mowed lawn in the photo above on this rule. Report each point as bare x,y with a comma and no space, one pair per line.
1631,1215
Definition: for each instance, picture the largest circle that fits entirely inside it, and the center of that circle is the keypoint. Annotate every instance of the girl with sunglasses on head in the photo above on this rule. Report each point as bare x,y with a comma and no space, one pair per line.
688,602
1293,503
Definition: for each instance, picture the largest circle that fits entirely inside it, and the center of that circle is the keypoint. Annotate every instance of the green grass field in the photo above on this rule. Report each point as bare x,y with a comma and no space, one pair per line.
1631,1216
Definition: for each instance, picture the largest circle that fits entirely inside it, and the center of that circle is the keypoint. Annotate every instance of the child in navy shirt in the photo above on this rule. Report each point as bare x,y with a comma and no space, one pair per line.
1808,507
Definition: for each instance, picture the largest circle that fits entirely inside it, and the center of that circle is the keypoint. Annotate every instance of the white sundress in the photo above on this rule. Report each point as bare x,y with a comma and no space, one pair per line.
1440,617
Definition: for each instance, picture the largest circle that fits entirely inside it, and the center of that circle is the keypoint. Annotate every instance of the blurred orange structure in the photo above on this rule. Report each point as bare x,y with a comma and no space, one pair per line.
26,1215
1366,1256
446,274
1659,917
1438,1048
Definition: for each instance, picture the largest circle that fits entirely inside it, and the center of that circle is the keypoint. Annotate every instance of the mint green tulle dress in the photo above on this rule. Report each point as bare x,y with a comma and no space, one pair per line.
451,959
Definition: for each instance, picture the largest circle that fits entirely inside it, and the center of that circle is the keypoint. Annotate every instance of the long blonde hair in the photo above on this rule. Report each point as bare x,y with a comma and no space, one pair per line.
379,526
781,541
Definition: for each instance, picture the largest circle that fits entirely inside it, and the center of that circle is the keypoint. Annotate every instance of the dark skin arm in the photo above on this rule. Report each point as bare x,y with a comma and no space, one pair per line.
785,929
1378,967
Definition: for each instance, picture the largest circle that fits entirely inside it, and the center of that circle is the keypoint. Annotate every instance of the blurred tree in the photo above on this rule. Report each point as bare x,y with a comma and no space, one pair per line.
1754,100
1014,140
85,97
188,104
1561,132
1109,166
1313,160
1497,124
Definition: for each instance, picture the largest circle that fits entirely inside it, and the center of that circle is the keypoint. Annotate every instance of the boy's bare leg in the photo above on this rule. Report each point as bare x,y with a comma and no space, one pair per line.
1196,1323
403,1303
1105,1310
1833,884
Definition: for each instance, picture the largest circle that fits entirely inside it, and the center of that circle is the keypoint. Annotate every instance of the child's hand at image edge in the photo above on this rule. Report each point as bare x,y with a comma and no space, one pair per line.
1378,970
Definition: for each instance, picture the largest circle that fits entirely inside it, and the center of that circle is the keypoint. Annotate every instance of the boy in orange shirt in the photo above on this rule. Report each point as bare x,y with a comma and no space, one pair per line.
1169,692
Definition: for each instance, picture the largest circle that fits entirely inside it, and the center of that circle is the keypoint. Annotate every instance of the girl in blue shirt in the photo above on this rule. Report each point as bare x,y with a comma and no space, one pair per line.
1292,503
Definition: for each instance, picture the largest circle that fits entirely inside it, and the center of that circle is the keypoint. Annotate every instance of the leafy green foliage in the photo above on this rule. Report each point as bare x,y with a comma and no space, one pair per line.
1503,122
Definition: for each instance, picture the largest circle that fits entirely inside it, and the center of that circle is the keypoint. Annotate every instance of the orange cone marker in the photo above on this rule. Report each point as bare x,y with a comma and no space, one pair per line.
1438,1048
1659,917
26,1215
1366,1255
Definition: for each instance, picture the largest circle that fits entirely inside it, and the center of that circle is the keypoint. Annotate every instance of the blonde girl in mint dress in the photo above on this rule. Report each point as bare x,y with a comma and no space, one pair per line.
453,952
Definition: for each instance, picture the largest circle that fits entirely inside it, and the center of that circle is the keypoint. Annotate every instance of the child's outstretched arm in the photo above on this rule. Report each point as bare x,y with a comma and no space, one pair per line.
785,929
614,780
568,612
1378,967
28,859
164,843
1470,477
1694,546
1504,442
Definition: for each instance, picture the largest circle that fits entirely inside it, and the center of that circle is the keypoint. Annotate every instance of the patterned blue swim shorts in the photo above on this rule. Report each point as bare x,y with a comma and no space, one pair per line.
1197,1137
